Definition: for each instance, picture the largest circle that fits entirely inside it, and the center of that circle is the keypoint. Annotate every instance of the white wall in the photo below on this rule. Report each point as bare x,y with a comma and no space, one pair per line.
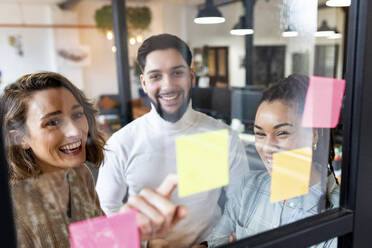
36,43
39,44
66,38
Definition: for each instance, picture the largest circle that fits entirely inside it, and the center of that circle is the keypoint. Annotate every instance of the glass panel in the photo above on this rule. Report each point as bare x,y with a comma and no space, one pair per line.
328,243
267,110
230,122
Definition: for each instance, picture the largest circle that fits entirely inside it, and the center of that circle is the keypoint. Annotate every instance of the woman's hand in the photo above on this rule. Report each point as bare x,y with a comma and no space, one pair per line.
232,237
156,213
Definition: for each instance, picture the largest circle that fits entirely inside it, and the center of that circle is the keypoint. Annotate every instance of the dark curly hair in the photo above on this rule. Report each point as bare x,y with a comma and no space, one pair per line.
13,111
291,90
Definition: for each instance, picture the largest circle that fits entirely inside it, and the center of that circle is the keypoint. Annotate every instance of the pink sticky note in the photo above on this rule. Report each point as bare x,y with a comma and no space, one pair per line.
323,102
119,231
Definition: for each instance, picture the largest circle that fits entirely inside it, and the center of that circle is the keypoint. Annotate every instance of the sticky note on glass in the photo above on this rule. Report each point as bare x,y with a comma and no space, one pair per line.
118,230
290,174
323,102
202,162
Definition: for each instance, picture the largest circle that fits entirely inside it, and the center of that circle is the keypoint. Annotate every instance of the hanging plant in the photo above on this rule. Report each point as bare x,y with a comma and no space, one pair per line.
138,18
103,18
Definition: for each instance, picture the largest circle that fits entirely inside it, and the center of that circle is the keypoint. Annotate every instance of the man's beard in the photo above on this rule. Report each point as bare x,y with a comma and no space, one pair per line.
176,116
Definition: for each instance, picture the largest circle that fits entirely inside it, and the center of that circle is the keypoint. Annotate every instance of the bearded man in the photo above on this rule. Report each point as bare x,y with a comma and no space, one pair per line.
143,153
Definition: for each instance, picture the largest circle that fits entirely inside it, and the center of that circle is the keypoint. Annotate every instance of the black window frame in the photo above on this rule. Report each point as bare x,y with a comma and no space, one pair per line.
351,221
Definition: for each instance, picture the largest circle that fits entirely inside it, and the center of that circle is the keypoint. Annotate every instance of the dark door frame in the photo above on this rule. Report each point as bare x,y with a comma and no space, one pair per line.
217,78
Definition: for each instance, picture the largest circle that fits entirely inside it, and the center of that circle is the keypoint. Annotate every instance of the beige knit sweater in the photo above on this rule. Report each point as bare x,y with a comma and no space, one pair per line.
44,207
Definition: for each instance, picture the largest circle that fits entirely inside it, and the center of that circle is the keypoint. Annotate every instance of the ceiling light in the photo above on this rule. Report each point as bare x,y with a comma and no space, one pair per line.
209,14
139,38
240,28
290,32
132,41
324,30
338,3
109,35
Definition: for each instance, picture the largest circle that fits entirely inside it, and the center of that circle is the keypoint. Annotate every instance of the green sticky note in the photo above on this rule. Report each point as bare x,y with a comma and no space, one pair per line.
202,162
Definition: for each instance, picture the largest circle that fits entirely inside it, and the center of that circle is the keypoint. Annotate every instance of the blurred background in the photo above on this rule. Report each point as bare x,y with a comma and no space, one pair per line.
258,43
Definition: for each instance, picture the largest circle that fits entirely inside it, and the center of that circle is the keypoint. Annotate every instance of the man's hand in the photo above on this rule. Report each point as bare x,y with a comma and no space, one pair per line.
156,213
158,243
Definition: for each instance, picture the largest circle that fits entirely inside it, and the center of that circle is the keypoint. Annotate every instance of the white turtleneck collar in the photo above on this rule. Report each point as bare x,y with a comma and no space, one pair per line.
188,119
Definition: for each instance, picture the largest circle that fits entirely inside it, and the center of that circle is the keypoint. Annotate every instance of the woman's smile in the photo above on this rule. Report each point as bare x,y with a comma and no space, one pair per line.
72,148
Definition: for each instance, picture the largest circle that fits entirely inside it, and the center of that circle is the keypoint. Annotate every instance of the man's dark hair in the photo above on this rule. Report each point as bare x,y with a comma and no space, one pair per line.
161,42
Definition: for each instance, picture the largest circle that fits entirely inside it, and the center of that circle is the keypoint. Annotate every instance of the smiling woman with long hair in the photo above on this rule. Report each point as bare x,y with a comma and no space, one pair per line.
50,132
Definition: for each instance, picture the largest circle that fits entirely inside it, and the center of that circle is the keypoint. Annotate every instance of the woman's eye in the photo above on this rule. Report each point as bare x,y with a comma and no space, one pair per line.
77,115
53,122
260,134
283,133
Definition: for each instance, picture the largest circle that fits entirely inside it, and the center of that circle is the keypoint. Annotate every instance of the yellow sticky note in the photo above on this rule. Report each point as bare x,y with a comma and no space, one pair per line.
202,162
290,175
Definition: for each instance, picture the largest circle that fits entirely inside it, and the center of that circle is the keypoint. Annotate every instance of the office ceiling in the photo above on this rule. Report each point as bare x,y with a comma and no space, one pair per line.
59,1
189,2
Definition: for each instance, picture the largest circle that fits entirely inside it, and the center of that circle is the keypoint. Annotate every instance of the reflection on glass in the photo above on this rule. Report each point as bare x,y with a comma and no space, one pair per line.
277,129
87,56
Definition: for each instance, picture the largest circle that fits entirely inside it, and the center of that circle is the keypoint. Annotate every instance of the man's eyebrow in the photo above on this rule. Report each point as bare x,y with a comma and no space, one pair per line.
178,67
173,68
58,112
152,71
283,124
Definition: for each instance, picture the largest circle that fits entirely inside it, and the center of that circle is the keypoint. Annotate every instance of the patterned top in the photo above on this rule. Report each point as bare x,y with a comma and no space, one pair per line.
43,209
250,212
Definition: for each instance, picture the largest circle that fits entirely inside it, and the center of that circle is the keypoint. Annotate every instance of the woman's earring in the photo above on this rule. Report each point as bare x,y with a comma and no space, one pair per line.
315,145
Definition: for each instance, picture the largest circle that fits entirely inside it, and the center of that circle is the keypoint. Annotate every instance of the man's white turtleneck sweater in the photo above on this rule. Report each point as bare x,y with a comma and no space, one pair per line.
142,154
